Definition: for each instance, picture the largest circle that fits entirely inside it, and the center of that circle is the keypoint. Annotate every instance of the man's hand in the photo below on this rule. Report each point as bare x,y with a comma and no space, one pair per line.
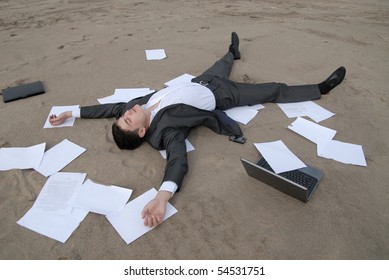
154,212
57,120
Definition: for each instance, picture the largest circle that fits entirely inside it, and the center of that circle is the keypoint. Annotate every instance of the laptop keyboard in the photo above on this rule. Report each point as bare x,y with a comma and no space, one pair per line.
296,176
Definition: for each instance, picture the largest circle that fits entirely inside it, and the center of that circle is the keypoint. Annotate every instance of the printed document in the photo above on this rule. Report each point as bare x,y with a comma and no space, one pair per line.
58,190
47,217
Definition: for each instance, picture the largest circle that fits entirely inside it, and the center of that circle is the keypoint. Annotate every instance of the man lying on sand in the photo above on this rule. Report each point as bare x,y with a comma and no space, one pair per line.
165,118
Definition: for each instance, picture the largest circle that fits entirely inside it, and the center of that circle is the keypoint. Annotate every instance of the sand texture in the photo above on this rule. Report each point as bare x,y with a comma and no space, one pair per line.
84,50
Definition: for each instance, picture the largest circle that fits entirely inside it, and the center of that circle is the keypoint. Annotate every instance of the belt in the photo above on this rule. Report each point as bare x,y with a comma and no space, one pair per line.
202,83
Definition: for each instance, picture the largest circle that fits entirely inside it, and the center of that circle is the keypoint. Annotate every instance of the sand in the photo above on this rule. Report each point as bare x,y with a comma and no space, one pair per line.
83,50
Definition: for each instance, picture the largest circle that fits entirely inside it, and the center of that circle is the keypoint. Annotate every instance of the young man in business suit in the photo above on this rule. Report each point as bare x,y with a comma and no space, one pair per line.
165,118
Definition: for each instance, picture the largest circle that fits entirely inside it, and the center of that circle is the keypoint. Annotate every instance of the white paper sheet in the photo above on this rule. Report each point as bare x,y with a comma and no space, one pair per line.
189,148
56,110
129,223
125,95
57,192
279,157
340,151
244,114
58,157
100,199
256,107
156,54
305,108
47,215
312,131
179,80
21,158
56,226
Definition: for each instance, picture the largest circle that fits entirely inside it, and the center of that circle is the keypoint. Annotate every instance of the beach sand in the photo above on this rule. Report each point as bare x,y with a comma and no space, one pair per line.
84,50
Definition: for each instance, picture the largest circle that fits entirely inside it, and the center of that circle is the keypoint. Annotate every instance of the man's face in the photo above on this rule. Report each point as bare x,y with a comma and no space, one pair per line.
133,119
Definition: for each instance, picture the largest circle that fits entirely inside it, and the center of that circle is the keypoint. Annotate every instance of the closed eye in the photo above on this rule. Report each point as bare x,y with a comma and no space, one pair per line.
128,122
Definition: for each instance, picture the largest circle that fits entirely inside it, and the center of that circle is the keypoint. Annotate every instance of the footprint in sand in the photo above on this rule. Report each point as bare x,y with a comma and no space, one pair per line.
148,171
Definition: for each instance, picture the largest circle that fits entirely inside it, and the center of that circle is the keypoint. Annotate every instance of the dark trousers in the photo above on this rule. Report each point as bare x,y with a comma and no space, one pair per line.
230,94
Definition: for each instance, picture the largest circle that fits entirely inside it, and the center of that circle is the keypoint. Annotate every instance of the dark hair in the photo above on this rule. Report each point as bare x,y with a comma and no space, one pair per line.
129,140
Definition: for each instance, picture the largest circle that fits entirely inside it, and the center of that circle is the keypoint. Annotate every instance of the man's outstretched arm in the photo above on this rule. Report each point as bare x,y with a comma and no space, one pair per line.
176,168
90,112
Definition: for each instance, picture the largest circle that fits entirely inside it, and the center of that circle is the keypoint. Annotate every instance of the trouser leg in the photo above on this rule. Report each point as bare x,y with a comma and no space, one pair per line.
221,68
230,94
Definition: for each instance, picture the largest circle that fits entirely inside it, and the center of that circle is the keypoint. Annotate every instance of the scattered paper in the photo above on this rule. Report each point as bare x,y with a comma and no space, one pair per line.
58,157
56,226
157,54
312,131
256,107
279,157
185,78
21,158
305,108
51,220
244,114
125,95
100,199
189,148
340,151
129,222
58,190
56,110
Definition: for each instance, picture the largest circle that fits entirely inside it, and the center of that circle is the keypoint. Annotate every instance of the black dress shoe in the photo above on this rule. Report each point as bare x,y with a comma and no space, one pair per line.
234,47
333,80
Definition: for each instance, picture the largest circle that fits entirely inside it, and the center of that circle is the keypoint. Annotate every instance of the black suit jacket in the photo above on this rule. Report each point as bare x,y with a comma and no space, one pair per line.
169,128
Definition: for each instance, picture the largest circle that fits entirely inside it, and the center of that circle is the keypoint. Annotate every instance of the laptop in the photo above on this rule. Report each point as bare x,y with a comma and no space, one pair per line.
299,183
